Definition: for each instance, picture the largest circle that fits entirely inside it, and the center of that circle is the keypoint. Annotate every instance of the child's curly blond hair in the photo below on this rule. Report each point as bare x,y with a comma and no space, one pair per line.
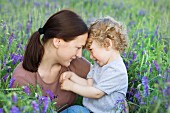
108,28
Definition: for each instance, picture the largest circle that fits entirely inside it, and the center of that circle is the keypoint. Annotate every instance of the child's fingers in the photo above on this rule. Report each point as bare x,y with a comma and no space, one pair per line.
61,78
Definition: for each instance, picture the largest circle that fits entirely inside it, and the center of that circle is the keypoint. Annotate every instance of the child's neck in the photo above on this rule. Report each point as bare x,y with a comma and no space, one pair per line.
114,55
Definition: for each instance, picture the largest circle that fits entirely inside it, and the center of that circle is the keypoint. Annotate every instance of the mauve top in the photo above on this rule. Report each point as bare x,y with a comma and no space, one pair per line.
64,98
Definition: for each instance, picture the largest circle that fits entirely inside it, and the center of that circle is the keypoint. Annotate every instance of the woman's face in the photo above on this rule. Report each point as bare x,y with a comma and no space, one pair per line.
67,51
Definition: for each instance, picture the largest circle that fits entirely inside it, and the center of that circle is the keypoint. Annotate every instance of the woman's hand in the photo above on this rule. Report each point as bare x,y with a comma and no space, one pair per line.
67,85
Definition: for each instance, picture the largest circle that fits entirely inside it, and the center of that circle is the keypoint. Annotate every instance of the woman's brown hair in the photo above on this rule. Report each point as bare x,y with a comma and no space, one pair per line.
64,24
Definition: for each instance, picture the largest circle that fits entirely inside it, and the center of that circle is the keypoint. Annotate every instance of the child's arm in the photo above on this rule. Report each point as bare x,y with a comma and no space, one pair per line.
74,77
83,90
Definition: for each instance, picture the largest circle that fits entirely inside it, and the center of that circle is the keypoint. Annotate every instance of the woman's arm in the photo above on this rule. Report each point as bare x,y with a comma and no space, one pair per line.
83,90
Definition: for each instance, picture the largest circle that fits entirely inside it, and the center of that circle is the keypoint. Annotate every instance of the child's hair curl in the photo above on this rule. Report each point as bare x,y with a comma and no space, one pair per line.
107,27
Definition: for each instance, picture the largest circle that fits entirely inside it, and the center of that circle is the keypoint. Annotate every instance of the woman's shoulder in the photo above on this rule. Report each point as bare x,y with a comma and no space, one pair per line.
22,76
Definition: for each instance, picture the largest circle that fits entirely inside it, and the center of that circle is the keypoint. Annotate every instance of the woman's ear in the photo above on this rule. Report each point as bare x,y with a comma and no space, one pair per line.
56,42
108,44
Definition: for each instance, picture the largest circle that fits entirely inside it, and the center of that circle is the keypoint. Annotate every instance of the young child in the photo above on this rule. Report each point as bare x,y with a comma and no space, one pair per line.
105,88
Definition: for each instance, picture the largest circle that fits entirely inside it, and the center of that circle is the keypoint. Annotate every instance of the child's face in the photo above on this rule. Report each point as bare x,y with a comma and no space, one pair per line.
99,53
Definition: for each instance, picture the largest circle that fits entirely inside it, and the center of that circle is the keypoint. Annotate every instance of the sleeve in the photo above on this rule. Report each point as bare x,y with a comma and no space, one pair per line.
91,72
80,66
112,80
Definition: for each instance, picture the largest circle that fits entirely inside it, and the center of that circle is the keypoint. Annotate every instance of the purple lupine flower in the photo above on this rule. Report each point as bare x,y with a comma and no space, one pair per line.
156,65
119,104
1,110
14,109
15,58
26,89
105,4
142,103
45,102
35,106
14,98
11,82
134,56
153,100
138,96
5,58
5,77
28,27
134,45
156,31
131,23
165,50
141,12
150,68
145,84
37,4
50,94
47,4
124,54
167,91
11,38
168,70
40,99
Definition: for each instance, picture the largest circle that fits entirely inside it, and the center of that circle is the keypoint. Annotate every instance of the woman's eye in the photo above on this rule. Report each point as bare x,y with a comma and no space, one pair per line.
78,47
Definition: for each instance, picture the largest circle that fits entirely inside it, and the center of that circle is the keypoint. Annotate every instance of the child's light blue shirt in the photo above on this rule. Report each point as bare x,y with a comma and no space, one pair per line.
113,80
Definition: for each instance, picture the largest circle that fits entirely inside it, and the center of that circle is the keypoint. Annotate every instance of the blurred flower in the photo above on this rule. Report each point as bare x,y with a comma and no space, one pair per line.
35,106
142,12
134,56
169,70
11,82
119,104
138,96
145,84
156,65
5,77
156,31
47,4
15,58
167,91
14,109
14,98
37,4
153,99
150,68
1,110
124,54
165,50
26,90
50,94
28,27
131,23
11,38
45,102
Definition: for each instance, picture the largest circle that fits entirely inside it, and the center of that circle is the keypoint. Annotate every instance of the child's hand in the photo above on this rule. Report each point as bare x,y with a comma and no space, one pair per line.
67,85
65,75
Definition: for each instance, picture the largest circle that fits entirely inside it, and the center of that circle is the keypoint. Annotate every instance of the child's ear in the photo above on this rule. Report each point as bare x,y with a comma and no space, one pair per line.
56,42
108,44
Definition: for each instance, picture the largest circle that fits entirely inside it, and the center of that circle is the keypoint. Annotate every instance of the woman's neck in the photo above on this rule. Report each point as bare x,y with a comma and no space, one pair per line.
48,68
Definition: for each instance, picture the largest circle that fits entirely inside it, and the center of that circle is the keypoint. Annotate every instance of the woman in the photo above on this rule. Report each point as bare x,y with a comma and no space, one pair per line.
59,50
